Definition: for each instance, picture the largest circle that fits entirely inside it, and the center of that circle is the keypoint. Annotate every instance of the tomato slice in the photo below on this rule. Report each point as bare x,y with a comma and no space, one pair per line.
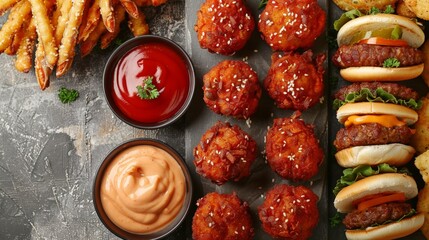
395,197
384,42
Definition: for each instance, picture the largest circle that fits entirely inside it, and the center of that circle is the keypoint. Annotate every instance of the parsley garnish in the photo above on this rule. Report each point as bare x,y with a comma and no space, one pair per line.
67,95
262,4
391,63
389,9
373,11
148,90
335,220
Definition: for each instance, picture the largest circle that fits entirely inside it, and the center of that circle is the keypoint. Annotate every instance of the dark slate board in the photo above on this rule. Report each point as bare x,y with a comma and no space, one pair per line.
200,118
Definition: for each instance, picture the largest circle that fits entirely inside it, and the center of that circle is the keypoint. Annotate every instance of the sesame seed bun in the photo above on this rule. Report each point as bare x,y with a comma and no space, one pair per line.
386,182
393,230
364,74
394,154
363,108
411,32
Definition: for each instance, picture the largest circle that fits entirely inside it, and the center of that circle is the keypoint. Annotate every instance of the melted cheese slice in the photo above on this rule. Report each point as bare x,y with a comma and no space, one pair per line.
384,120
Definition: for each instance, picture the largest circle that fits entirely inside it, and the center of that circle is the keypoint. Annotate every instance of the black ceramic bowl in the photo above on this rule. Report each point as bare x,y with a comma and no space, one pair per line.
111,69
98,181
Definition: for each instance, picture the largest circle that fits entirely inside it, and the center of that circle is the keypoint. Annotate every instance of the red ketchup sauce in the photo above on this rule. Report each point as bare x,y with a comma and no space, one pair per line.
170,76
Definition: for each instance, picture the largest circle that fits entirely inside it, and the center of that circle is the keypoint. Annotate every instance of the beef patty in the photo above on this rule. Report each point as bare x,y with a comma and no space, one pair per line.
359,55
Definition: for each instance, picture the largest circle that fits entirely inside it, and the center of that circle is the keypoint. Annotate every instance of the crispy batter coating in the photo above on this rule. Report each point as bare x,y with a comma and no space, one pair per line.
225,153
420,140
364,5
224,26
222,217
423,207
289,212
292,150
419,7
294,81
287,25
231,88
422,163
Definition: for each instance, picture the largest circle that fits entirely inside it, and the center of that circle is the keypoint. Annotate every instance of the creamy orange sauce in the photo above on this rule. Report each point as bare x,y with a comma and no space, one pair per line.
143,189
384,120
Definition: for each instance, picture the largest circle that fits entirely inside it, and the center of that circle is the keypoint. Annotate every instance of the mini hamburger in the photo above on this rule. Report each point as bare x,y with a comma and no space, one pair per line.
376,116
376,205
380,47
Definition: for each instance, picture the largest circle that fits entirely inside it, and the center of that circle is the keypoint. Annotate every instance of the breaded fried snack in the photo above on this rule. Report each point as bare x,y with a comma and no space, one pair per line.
293,151
289,212
287,25
422,163
420,139
231,88
222,217
224,26
225,153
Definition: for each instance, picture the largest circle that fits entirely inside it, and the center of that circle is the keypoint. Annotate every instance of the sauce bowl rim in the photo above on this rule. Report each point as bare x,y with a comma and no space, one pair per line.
123,49
112,227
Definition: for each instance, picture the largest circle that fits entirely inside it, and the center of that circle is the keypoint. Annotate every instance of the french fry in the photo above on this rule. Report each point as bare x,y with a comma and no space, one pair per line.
56,15
131,8
144,3
138,26
68,43
6,5
89,44
41,68
84,19
24,54
92,20
19,13
62,20
45,31
106,10
13,47
108,37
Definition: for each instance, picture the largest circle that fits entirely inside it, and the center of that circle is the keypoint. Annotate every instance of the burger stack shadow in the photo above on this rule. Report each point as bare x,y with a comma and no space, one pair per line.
374,51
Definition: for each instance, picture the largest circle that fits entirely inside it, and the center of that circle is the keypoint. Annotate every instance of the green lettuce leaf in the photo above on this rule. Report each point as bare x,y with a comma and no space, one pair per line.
380,95
351,175
345,17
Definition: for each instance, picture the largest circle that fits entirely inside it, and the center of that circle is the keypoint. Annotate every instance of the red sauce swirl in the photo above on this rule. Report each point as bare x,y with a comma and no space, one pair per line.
170,76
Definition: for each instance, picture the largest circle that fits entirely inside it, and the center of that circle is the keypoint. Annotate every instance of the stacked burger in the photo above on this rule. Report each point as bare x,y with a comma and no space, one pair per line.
377,116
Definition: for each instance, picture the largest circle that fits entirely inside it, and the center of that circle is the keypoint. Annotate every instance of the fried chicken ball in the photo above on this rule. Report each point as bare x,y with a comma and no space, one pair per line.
225,153
292,150
294,81
222,217
231,88
224,26
289,212
287,25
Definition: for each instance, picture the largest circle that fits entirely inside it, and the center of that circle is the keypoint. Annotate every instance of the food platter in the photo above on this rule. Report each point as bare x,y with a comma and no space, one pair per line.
199,118
85,131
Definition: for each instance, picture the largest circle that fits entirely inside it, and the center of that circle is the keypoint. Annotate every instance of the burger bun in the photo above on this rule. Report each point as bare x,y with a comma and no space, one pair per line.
395,154
393,230
365,108
365,73
380,183
411,32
